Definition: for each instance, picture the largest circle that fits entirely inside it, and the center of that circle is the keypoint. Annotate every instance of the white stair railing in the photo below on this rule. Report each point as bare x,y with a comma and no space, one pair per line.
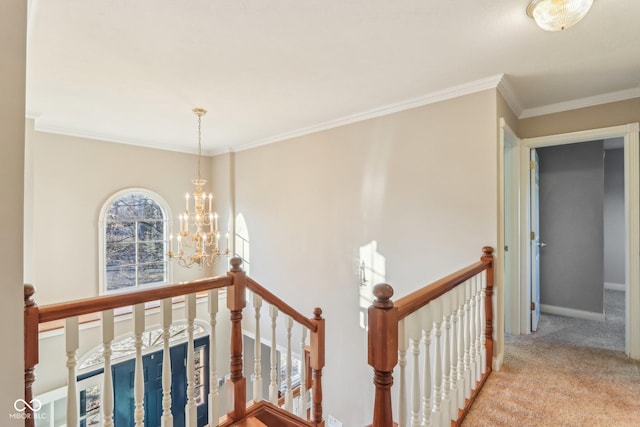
107,384
214,393
446,341
257,353
72,342
166,319
138,382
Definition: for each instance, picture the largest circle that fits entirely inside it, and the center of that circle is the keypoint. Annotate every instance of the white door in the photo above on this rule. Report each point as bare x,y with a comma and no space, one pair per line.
535,242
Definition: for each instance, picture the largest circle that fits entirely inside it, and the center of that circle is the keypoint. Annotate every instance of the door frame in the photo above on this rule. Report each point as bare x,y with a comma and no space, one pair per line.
632,221
509,275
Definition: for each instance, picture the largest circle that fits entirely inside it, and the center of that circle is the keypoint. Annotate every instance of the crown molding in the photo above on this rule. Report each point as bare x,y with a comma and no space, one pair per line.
509,96
431,98
88,134
589,101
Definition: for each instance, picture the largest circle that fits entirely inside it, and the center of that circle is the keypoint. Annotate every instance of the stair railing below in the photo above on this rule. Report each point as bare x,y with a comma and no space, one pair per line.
102,308
448,327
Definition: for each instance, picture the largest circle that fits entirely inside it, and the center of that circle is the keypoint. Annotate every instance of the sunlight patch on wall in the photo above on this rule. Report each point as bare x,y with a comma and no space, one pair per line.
372,270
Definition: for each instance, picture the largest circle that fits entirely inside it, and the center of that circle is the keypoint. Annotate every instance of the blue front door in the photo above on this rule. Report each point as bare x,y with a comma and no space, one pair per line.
123,384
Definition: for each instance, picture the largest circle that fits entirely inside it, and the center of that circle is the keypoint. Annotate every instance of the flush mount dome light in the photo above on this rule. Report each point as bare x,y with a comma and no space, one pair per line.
557,15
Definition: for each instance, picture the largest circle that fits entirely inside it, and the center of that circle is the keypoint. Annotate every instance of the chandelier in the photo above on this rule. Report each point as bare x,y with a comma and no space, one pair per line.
199,233
557,15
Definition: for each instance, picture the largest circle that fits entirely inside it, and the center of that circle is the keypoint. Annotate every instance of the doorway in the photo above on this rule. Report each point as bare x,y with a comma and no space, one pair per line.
629,133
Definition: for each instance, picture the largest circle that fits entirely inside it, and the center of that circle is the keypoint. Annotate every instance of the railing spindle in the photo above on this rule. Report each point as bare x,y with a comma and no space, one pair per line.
461,347
107,380
138,382
467,342
304,394
477,293
190,413
166,315
273,385
257,353
415,333
402,380
446,359
427,326
454,355
72,341
288,397
214,393
436,411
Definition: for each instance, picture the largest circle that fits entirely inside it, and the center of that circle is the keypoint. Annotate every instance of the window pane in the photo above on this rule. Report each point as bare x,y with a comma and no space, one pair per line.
150,230
121,277
150,252
134,206
121,254
151,273
120,232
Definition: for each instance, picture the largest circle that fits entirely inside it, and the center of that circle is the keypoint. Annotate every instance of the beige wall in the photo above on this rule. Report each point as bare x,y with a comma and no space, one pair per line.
422,183
503,110
72,179
13,30
599,116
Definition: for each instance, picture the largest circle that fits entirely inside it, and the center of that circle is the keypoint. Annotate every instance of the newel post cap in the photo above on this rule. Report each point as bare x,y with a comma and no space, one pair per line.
383,293
236,263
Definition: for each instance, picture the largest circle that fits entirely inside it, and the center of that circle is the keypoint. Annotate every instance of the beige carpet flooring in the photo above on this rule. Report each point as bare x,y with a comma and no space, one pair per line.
549,382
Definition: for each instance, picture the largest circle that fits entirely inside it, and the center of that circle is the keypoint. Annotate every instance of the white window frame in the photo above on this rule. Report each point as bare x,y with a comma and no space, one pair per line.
102,244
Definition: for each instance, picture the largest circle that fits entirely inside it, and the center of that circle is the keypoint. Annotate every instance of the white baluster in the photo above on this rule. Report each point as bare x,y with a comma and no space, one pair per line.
190,410
446,358
477,293
483,320
166,318
214,392
454,355
288,397
273,386
138,381
402,363
427,325
436,410
468,343
107,380
414,330
257,354
461,347
72,342
304,393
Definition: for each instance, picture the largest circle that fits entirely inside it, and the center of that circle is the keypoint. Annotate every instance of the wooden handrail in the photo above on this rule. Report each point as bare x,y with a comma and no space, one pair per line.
383,330
281,305
413,301
79,307
235,280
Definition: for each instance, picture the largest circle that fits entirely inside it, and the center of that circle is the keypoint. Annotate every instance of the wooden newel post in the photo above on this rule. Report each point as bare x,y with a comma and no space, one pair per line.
317,364
236,301
383,351
487,256
30,350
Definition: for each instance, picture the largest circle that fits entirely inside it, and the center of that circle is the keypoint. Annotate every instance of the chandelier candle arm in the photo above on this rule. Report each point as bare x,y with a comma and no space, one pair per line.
203,245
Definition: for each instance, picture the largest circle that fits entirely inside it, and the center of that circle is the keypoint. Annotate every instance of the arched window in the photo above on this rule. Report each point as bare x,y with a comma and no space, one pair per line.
133,226
242,242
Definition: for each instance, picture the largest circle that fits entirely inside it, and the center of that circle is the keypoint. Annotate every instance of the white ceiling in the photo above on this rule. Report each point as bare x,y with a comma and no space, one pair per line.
131,70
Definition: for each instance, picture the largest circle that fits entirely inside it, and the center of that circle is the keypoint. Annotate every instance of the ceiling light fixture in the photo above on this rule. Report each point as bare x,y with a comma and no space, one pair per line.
204,240
557,15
